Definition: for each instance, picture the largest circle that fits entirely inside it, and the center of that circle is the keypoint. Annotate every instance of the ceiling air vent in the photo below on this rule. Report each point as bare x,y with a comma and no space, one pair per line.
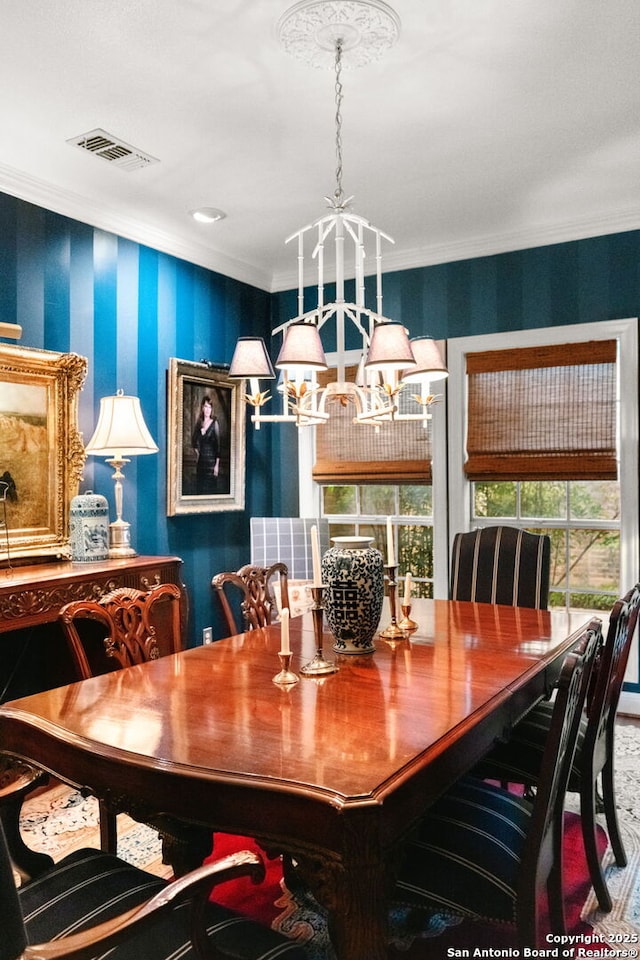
116,152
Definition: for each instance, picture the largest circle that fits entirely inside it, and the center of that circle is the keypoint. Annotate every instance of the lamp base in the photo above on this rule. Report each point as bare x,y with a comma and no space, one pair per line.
120,540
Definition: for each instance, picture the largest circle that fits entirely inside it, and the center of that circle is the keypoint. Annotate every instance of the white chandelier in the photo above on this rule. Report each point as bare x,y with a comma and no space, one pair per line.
345,242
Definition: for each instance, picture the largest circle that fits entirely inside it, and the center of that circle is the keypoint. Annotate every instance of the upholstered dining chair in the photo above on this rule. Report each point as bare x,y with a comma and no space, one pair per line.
103,905
253,593
484,853
519,759
123,628
501,564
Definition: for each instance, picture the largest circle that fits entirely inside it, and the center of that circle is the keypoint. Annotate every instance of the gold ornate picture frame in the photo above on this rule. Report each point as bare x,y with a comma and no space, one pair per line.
41,450
205,457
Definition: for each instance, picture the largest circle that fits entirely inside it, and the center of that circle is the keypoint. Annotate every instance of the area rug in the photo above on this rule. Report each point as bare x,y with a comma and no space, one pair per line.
60,820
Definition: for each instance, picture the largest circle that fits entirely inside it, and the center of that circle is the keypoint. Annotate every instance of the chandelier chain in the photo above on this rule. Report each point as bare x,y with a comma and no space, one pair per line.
339,193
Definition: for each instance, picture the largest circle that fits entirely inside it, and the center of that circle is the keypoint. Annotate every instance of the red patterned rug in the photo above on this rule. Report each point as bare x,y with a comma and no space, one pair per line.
296,914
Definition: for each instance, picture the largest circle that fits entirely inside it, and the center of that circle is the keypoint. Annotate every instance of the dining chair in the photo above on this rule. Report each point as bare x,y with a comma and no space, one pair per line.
123,628
92,903
129,621
18,779
519,759
501,564
484,853
254,595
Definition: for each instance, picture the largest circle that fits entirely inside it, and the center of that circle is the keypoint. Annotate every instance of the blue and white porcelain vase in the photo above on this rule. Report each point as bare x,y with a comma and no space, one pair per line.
353,574
89,527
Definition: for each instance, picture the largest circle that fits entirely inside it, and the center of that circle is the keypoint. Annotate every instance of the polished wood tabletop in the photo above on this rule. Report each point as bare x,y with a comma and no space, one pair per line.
335,770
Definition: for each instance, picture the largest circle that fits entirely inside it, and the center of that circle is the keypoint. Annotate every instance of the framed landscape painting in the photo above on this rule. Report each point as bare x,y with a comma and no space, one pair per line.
206,439
41,450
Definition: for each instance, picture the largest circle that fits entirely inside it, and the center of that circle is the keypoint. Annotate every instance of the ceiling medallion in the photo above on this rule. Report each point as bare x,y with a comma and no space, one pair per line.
366,28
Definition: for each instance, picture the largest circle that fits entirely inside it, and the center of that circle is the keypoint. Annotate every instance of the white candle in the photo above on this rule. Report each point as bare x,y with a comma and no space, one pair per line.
315,557
285,646
407,590
391,558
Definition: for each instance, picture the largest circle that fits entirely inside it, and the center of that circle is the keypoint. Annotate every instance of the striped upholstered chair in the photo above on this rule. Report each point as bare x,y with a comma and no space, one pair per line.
501,565
66,903
487,854
519,759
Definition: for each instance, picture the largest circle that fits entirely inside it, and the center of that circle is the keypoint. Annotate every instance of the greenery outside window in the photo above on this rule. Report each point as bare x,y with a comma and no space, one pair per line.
363,511
583,521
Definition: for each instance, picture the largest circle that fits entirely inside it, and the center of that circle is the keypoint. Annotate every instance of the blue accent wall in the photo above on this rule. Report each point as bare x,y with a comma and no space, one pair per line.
129,308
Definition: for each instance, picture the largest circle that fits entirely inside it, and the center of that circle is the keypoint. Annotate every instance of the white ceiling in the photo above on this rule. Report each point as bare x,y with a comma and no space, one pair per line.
491,125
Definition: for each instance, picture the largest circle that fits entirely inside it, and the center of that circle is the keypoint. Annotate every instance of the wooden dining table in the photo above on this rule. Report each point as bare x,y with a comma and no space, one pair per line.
335,771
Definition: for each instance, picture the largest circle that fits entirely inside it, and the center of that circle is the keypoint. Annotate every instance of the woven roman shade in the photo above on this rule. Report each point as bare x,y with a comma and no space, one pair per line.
543,413
348,452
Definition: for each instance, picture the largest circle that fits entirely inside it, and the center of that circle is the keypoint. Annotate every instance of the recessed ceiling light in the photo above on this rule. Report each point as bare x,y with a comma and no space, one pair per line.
207,214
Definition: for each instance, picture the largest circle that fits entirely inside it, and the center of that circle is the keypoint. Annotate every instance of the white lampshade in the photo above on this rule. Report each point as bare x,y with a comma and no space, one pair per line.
121,430
390,348
302,347
251,360
429,363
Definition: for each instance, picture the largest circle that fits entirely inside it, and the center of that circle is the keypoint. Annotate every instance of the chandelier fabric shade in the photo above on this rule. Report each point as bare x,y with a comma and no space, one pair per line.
390,348
428,361
302,348
251,360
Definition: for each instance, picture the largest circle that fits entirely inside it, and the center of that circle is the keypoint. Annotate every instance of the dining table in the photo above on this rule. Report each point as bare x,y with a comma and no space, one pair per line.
335,771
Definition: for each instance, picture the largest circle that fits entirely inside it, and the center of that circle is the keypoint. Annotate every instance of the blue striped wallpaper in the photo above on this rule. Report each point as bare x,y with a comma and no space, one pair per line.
129,308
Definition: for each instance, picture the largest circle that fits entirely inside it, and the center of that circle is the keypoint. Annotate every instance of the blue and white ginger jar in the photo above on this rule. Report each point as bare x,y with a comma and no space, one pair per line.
89,527
353,574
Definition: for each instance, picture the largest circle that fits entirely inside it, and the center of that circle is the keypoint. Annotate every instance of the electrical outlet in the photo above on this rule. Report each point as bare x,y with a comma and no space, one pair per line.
207,635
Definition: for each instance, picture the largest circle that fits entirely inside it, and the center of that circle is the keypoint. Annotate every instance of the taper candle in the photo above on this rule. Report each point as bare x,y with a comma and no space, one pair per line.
391,557
407,590
285,646
315,557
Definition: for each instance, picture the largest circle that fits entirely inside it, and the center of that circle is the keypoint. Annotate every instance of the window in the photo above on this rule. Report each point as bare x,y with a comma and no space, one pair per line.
593,523
582,518
581,486
363,510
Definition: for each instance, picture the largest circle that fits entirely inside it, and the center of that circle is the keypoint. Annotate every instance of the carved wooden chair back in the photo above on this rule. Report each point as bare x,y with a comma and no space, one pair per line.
127,635
254,588
125,626
501,564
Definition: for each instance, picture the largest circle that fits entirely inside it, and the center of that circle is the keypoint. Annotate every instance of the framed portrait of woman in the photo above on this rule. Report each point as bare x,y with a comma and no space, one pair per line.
206,439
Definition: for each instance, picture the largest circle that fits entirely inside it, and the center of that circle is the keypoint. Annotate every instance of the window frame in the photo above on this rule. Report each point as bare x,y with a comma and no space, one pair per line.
625,331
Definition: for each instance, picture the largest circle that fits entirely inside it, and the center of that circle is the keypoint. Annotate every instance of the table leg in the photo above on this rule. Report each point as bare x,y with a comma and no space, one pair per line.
354,888
358,920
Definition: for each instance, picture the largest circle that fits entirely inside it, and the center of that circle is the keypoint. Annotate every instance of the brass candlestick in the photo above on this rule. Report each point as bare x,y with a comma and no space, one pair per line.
407,624
393,631
318,666
286,676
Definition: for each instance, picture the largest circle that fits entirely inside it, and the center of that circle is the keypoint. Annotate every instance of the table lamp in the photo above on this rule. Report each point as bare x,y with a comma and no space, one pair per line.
121,433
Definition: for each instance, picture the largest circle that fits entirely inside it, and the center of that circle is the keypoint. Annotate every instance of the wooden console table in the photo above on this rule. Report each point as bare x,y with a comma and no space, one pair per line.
32,595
